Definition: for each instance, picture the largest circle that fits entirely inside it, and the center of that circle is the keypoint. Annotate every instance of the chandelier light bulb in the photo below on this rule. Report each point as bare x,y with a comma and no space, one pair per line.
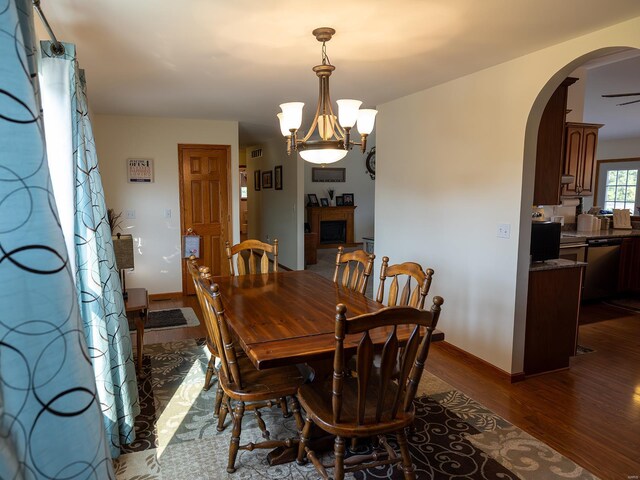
366,120
348,112
292,115
283,127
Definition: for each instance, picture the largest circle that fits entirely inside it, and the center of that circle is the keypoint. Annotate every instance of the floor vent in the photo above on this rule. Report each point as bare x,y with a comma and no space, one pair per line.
257,153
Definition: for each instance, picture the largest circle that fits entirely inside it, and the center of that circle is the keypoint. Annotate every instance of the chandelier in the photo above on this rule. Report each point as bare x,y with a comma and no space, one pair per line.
329,138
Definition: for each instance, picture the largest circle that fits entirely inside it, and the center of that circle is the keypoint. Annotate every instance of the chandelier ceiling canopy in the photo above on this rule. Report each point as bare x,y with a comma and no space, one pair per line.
329,137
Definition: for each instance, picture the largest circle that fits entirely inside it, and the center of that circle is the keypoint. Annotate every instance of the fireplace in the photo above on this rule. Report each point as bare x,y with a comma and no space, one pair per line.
333,231
333,225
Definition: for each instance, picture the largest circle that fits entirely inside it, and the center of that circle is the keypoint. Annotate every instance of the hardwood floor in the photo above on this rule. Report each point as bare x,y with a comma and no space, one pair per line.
590,413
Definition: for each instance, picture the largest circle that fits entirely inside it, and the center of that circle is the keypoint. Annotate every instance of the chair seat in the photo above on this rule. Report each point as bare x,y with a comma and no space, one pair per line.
260,385
316,399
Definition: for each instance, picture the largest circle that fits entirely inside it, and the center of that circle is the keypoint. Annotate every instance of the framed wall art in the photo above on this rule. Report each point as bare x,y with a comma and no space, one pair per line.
140,170
267,179
328,174
277,177
256,180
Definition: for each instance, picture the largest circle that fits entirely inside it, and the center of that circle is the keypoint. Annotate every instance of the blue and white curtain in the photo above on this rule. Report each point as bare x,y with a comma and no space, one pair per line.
51,417
96,277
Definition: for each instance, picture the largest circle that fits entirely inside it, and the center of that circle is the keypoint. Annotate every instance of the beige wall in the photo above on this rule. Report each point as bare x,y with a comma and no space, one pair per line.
157,239
358,182
276,213
450,169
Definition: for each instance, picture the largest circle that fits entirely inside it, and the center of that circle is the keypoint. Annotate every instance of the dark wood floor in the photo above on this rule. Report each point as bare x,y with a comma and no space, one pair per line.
590,413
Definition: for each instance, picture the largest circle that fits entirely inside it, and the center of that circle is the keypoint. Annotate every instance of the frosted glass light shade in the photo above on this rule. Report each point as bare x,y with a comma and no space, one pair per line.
348,112
283,128
366,120
291,115
324,155
325,126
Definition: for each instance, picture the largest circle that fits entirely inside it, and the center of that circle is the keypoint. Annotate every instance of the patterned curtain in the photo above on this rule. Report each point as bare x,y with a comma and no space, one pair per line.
97,281
50,417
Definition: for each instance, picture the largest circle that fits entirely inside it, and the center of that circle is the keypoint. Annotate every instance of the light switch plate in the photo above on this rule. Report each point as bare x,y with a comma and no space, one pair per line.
504,230
130,214
167,213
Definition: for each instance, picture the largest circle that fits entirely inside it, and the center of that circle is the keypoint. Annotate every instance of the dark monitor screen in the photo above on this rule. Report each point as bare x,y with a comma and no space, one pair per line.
545,241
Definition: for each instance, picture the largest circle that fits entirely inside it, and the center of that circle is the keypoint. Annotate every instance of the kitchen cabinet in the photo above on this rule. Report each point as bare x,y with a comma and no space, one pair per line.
550,147
581,141
553,305
629,271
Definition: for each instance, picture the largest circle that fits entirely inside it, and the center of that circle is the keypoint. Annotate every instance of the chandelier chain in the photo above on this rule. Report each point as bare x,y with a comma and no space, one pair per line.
325,57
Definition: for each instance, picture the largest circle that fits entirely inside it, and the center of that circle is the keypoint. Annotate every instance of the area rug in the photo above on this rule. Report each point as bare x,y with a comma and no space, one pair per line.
455,437
167,319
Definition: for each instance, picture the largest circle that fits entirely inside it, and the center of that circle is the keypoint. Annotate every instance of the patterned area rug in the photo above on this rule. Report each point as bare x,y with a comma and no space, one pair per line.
167,319
455,437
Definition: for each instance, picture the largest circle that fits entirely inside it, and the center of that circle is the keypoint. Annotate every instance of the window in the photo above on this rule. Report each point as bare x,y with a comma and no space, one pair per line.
621,189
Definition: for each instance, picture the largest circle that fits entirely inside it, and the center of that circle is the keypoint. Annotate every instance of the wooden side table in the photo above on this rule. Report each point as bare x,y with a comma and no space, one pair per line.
138,301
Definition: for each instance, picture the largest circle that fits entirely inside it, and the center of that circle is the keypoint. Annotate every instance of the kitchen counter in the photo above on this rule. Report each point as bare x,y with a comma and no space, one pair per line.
613,233
555,264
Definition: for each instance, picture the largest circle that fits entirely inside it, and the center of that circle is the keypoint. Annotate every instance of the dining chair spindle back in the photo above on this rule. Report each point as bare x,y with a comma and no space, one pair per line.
251,257
356,269
379,399
416,284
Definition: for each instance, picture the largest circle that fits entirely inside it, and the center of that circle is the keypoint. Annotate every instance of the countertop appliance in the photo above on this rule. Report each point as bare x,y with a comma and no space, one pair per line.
545,241
601,277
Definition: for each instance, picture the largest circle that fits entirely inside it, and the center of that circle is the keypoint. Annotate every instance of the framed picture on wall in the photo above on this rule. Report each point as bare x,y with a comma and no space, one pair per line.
347,198
277,177
328,174
312,200
267,179
256,180
324,202
339,201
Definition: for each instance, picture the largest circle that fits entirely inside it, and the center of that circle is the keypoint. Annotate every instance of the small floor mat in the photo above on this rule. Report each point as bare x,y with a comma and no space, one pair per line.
166,319
581,350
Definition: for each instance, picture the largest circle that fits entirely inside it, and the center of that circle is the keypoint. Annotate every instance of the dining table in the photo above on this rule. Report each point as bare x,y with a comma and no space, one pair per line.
288,317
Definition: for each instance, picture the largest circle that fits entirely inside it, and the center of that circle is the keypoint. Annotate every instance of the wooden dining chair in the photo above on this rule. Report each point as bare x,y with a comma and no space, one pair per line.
251,257
196,272
245,387
356,269
416,284
379,400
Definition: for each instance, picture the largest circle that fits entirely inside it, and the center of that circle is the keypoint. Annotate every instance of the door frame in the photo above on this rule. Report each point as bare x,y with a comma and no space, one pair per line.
183,230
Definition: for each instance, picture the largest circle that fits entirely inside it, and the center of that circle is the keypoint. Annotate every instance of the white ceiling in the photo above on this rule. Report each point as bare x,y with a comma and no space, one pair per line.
622,76
237,60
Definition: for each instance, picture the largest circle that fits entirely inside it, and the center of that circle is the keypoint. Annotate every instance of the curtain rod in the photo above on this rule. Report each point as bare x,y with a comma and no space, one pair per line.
56,47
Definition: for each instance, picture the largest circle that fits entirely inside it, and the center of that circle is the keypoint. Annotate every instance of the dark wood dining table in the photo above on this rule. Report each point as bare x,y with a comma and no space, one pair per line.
288,317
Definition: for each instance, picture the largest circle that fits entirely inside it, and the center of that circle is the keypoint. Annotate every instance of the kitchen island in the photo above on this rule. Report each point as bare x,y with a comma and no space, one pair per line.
553,305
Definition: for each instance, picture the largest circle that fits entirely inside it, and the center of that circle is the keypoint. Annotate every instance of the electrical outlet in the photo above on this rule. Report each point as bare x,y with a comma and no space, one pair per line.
167,213
268,239
504,230
131,214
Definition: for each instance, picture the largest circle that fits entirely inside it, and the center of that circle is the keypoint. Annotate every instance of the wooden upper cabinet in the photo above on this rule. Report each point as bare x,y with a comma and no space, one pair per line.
550,147
580,154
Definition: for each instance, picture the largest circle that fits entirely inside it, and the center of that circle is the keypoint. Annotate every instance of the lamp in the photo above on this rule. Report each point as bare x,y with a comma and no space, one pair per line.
329,137
123,250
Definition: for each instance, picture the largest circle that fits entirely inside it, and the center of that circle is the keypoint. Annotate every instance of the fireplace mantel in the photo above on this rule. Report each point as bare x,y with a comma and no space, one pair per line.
315,215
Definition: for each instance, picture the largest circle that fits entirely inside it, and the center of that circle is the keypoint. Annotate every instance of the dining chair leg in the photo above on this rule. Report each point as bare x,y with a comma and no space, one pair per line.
295,408
211,371
224,409
338,472
219,395
407,464
235,436
304,440
261,424
283,407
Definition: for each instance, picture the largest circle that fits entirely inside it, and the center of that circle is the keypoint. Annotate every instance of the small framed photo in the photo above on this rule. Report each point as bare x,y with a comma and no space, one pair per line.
277,177
256,180
347,199
313,200
339,201
324,202
140,170
267,179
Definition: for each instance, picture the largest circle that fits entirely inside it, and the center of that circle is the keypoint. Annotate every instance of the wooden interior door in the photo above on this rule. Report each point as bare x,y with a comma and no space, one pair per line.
205,204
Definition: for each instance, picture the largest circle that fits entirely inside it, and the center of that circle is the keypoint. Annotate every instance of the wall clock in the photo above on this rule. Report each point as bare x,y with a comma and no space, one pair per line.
370,163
